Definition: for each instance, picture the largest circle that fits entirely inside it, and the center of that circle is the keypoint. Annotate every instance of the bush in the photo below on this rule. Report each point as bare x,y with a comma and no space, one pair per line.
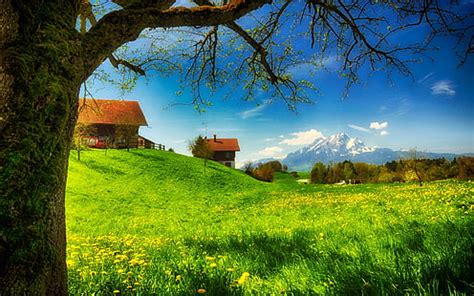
263,173
294,174
275,165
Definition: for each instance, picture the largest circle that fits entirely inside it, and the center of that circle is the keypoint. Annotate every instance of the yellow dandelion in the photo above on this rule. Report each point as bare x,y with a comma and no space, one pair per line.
213,265
243,278
116,291
179,277
209,258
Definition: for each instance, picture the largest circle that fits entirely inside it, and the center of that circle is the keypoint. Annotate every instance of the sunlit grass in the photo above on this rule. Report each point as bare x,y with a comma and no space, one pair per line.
150,222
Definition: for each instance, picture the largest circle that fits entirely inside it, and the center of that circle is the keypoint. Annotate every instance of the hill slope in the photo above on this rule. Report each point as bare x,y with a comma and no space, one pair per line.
142,184
155,223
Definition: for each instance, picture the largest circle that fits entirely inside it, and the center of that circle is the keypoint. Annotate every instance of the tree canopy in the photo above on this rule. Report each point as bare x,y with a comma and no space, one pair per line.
255,45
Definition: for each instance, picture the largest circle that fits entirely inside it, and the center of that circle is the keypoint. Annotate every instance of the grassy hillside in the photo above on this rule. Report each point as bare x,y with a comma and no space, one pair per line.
153,222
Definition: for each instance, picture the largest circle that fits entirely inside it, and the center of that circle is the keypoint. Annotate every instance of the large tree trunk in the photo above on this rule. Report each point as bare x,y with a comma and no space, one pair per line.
39,88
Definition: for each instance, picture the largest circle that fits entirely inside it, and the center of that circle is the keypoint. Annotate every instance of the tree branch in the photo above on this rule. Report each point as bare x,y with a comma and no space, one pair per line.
121,26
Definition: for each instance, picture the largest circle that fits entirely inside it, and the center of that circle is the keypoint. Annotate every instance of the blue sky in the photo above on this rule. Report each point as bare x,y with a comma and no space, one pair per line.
432,111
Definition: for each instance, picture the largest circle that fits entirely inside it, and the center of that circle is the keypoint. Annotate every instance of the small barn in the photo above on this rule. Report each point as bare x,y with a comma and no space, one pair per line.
224,150
112,122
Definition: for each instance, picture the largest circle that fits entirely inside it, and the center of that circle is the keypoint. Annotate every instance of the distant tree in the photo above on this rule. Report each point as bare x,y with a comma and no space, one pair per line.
412,165
466,167
82,132
264,172
275,165
362,171
125,134
348,170
170,150
318,173
391,165
332,175
200,148
109,143
248,168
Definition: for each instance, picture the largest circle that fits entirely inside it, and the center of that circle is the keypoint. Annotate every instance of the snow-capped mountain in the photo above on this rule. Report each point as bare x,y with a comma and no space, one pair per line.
335,148
340,147
338,144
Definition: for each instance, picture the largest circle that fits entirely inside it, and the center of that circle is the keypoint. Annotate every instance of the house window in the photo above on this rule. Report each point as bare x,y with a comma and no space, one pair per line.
228,155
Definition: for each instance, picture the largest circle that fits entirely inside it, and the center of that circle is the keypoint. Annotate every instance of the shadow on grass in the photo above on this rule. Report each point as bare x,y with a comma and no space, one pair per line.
152,157
366,273
104,169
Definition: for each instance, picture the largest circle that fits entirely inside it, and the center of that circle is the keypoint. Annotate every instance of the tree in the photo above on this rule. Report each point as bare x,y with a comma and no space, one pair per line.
412,167
44,60
348,171
248,168
466,167
200,148
318,173
81,133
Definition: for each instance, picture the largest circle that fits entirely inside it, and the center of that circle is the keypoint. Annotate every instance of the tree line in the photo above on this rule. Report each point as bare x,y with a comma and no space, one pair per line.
403,170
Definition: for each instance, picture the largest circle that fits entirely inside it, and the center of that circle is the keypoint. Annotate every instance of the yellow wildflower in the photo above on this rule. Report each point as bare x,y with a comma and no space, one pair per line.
243,278
201,291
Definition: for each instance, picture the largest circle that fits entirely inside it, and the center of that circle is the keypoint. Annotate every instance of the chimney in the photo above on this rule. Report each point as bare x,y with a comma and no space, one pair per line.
215,138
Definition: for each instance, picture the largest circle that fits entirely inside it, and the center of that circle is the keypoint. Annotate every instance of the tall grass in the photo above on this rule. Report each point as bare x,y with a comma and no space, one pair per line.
157,223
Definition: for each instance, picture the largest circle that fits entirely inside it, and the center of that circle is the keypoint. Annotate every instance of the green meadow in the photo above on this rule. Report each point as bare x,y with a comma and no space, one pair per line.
158,223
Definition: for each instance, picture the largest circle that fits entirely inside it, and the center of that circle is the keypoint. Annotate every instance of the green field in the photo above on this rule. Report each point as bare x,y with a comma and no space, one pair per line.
158,223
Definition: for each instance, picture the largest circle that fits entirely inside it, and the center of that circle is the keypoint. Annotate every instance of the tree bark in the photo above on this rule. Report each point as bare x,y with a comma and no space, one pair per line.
39,87
43,61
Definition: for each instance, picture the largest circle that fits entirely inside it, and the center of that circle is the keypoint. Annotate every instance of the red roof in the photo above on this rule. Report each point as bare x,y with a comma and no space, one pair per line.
99,111
220,144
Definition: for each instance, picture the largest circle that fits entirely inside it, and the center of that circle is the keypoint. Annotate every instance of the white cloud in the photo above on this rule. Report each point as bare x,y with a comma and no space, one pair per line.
443,87
303,138
359,128
383,133
378,125
274,151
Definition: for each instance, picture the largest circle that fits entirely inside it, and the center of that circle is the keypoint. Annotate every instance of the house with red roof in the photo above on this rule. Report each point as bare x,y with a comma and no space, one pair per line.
224,150
113,122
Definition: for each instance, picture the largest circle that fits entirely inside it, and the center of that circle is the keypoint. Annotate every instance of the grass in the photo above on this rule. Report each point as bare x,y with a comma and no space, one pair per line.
158,223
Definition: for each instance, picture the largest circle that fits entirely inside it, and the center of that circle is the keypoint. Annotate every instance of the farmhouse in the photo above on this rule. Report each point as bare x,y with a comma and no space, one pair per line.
224,150
113,122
